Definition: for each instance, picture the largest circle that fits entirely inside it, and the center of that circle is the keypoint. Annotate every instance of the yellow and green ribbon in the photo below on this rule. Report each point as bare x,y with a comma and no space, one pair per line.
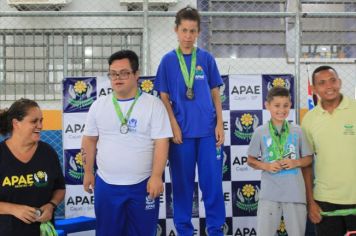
341,212
47,229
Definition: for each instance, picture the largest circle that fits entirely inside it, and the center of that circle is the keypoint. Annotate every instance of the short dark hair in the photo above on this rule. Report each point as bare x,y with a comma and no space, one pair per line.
18,110
125,54
187,13
321,68
277,91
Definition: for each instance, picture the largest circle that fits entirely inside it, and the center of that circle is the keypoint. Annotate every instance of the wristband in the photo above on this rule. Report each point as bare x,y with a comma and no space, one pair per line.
53,205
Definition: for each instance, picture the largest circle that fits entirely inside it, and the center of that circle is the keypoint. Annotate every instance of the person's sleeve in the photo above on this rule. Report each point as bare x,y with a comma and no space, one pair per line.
59,181
254,148
91,128
160,83
160,124
305,149
307,134
214,76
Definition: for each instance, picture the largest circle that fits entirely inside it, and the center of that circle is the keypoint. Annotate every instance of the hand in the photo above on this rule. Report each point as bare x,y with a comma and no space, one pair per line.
25,213
154,186
314,212
89,182
219,134
273,167
288,164
47,212
177,133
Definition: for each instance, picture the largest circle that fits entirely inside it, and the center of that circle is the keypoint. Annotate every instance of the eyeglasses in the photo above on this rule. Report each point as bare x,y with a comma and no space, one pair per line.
120,75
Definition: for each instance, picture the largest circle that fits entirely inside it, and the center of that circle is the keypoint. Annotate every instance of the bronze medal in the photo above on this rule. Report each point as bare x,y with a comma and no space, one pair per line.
190,93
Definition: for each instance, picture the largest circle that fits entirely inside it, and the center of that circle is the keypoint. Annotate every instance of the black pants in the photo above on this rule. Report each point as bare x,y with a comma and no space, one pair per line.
335,225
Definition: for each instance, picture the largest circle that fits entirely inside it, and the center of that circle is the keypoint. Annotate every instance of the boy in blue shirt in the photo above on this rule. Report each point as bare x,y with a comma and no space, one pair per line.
284,151
188,81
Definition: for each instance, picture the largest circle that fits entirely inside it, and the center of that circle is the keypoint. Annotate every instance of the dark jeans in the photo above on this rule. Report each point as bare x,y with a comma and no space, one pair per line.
310,228
335,225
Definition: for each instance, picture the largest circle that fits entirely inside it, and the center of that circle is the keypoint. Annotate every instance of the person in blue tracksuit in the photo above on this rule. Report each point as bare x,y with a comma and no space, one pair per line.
188,82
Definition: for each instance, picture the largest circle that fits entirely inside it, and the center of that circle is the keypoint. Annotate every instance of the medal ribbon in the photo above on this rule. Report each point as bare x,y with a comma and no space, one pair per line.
278,141
118,109
47,229
188,78
342,212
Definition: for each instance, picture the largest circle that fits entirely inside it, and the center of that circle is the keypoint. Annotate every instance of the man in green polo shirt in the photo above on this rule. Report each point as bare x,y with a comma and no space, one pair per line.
331,130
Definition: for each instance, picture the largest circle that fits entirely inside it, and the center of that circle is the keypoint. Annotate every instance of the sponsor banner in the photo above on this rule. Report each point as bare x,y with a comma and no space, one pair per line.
242,97
78,202
244,226
78,93
243,124
245,197
73,127
240,170
245,92
73,167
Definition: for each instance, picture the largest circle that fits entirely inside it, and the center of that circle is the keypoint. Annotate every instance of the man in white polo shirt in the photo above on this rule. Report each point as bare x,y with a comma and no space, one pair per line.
128,135
331,130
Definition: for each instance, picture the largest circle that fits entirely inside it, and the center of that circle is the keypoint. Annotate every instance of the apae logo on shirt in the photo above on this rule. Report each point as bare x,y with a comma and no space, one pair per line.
199,73
38,179
132,124
150,203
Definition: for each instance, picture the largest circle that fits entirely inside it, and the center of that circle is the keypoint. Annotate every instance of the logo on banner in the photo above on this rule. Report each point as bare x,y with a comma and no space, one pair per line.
78,94
74,128
245,125
245,198
147,86
245,231
76,166
74,170
279,82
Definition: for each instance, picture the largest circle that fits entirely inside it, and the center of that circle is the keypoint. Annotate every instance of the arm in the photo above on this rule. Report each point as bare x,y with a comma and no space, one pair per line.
48,208
313,207
24,213
177,133
219,129
155,183
259,165
88,154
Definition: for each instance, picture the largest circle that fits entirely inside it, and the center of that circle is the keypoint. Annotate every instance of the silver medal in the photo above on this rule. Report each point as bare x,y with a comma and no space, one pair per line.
124,129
